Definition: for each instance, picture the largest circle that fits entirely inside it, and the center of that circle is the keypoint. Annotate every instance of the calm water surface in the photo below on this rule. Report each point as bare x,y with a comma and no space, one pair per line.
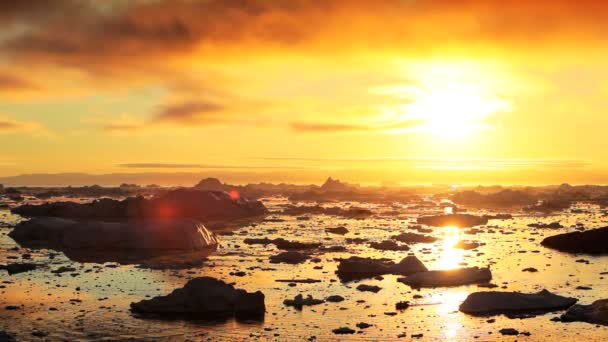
93,305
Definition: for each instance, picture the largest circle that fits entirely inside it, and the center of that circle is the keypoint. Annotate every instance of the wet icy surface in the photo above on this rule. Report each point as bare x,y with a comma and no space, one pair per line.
92,302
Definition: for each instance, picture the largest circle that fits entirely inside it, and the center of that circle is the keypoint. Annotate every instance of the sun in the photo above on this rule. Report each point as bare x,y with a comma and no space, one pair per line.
452,99
454,111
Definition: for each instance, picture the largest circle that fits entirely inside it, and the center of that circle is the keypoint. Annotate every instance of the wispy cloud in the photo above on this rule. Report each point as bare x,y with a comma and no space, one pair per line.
200,166
9,82
193,112
388,127
326,127
8,125
449,163
97,34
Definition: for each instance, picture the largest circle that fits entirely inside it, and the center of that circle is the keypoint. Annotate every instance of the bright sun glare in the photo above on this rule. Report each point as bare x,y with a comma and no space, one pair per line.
450,256
452,99
453,112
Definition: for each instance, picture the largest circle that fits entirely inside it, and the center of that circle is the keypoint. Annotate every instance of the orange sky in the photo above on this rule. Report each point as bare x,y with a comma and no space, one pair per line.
403,90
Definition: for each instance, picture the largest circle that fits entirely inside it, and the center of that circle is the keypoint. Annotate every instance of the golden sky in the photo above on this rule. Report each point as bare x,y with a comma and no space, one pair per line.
408,91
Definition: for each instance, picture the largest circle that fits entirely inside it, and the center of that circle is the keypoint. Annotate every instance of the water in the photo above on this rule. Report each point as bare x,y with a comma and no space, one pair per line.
99,310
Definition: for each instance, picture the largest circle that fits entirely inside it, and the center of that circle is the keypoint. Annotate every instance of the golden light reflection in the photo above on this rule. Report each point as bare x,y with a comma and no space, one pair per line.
449,301
450,257
451,330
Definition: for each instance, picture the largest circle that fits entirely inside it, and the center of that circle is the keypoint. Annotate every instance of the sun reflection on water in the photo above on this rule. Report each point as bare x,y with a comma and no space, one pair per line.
448,301
450,257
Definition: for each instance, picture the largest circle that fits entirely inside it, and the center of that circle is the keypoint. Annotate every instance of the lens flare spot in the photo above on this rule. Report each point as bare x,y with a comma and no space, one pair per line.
234,195
166,210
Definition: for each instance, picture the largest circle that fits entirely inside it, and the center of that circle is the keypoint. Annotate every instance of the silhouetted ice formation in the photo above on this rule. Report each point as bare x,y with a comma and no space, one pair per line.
494,302
593,241
205,206
204,297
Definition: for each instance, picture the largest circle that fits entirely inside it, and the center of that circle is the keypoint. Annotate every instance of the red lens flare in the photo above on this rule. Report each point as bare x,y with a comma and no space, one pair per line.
166,210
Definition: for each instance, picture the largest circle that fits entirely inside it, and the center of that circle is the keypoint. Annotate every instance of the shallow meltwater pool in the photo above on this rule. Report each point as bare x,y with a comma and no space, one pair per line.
90,301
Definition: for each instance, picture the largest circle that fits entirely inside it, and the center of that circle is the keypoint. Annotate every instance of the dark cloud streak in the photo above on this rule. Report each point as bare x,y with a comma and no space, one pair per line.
198,112
198,166
314,127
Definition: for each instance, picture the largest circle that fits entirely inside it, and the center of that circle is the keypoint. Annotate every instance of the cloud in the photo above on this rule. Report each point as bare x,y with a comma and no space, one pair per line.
224,109
387,127
199,166
12,82
118,34
197,112
187,114
8,125
37,11
326,127
13,85
97,37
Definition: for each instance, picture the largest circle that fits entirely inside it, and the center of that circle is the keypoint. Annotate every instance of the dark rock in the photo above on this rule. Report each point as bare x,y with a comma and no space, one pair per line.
205,297
595,313
499,217
356,240
530,269
300,281
402,305
332,249
414,238
330,211
593,241
343,331
360,268
409,265
389,245
6,337
338,230
508,332
490,303
294,245
455,277
256,241
299,301
369,288
334,299
281,243
16,268
63,269
290,257
552,225
39,333
363,325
